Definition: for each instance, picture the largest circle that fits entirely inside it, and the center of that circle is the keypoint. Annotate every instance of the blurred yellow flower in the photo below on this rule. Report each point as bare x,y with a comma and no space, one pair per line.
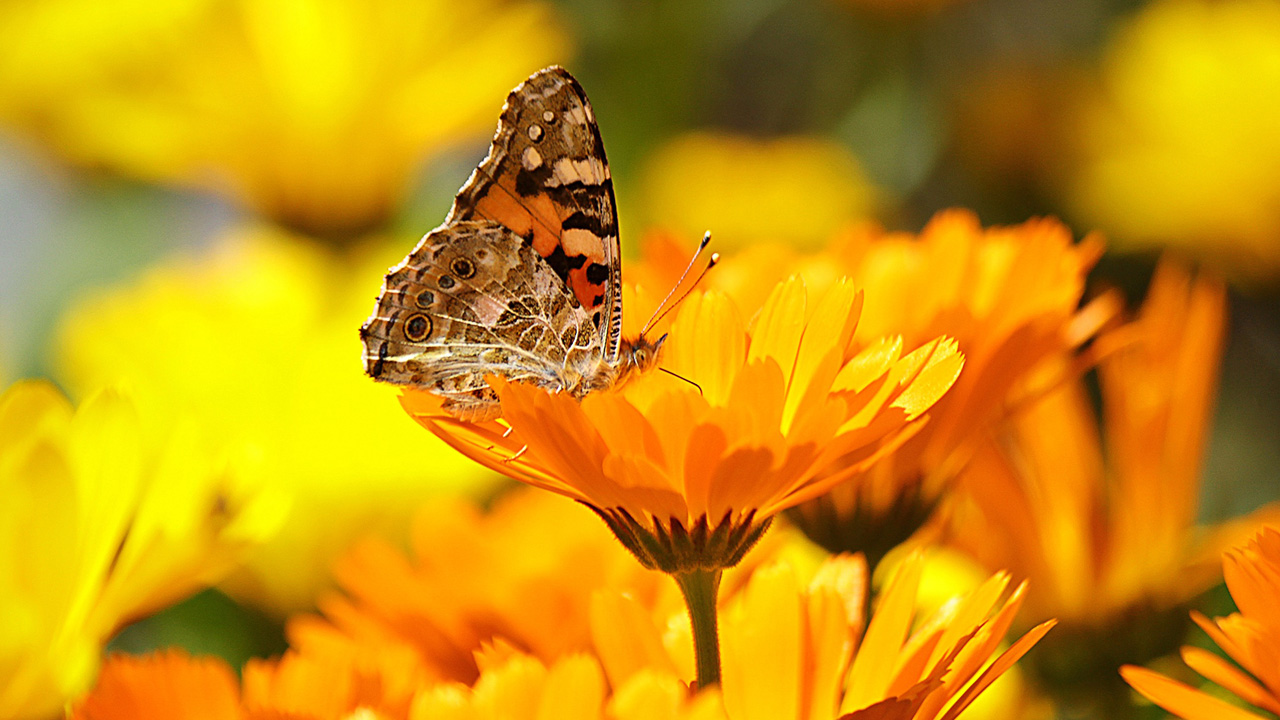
1009,296
1180,145
1251,637
314,113
1111,540
689,476
796,649
256,338
793,190
104,520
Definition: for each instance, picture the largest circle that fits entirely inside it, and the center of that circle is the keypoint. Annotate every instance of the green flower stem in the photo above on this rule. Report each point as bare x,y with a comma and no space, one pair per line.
700,588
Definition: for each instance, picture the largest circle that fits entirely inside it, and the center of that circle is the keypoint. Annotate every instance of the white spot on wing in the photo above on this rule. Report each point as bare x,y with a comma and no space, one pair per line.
588,170
548,116
531,159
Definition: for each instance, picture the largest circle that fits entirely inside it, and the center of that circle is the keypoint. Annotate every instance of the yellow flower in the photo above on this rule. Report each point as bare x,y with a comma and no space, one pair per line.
103,521
794,190
688,476
1179,147
316,114
1251,637
255,338
1008,295
1111,540
797,650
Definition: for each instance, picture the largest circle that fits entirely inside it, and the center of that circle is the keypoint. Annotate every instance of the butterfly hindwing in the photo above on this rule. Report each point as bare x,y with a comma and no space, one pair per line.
547,180
473,299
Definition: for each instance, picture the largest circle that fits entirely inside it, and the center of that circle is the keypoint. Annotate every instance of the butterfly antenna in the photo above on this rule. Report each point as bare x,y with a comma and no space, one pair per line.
678,375
660,312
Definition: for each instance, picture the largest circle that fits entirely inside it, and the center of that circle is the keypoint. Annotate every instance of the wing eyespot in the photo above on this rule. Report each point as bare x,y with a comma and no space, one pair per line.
446,282
417,328
463,268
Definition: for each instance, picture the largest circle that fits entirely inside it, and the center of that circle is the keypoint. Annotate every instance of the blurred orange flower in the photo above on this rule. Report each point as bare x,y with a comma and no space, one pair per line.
793,650
522,574
1111,540
689,476
1251,637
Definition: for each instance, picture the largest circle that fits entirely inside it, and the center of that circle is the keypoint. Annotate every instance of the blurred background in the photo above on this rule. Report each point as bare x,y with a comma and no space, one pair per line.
198,197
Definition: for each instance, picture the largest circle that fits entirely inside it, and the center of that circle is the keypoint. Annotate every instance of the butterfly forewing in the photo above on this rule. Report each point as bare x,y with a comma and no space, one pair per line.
547,180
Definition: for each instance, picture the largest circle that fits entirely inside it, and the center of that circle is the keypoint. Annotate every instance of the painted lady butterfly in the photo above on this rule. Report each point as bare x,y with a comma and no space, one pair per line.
523,279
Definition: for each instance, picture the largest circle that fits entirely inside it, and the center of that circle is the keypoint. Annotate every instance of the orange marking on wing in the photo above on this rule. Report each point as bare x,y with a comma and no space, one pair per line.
503,208
585,290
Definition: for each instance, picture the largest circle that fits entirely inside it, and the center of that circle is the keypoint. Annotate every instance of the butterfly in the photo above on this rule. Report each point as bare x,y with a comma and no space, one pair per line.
523,278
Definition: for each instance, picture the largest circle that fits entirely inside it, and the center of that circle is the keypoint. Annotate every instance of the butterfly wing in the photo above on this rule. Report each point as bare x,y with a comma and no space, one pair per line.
473,299
546,178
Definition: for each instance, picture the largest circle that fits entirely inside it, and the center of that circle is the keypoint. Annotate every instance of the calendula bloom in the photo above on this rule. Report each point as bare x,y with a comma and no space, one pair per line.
104,520
794,190
316,114
1111,539
246,336
521,574
1177,148
513,686
794,649
700,469
1251,637
172,684
688,471
1009,296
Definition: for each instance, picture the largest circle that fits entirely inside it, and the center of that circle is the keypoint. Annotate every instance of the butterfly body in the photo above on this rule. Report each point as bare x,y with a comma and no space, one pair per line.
523,279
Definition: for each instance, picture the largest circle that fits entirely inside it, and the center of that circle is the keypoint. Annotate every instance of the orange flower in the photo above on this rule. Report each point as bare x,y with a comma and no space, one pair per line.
171,684
793,650
520,574
798,650
167,685
1008,295
1251,637
1111,540
688,476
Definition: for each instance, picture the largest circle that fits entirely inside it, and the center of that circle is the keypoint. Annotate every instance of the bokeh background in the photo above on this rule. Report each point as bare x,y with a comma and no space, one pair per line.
198,197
